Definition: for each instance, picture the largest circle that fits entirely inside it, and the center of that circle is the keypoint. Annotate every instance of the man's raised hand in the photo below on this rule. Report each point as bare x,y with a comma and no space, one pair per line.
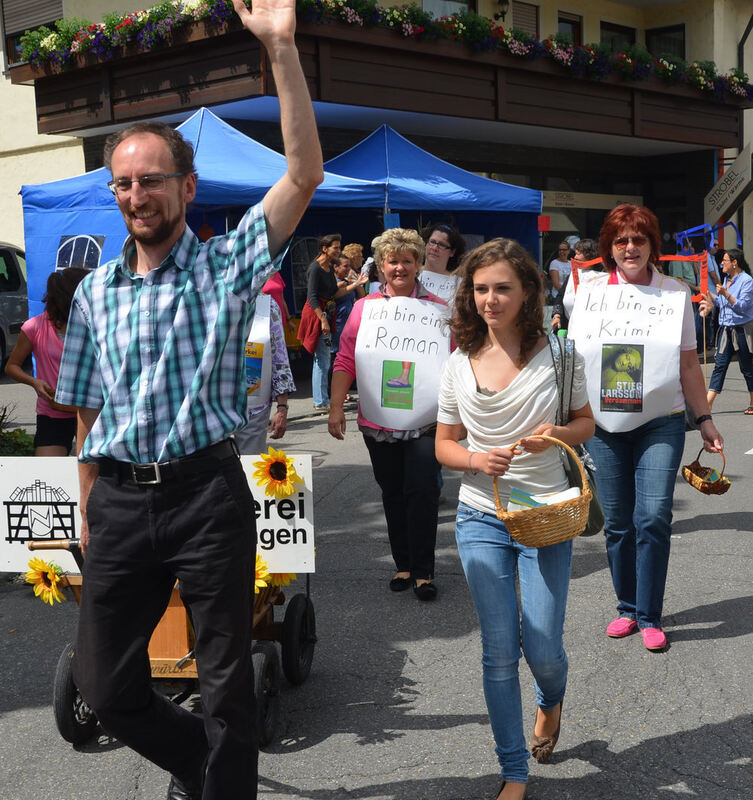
271,21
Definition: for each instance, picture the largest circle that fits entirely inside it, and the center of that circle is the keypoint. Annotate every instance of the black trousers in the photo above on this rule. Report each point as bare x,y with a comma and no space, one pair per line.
407,472
201,530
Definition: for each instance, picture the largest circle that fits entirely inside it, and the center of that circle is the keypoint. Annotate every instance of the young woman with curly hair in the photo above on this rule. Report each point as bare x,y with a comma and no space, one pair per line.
499,386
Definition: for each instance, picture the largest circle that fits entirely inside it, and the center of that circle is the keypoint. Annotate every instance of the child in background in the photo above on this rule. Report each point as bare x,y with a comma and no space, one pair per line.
43,337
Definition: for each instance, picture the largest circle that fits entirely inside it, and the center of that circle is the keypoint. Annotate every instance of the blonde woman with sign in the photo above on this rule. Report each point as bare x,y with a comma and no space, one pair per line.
395,343
636,330
499,386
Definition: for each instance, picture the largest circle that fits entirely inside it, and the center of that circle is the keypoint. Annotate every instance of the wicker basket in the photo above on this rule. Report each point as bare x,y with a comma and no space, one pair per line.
698,476
538,527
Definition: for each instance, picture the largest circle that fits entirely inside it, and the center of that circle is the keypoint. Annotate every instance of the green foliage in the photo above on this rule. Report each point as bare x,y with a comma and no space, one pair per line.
14,442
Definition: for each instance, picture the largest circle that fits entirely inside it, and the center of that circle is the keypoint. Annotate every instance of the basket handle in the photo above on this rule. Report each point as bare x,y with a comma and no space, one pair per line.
553,440
721,453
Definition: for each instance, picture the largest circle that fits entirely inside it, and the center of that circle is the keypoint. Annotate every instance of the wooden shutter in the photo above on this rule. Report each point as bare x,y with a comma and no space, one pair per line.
526,17
20,15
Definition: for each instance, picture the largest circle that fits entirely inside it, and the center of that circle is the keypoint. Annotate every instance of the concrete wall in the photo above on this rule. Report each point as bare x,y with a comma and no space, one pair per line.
27,157
95,10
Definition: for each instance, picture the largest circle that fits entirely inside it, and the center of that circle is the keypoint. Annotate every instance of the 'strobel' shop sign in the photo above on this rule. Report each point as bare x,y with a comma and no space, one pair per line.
733,187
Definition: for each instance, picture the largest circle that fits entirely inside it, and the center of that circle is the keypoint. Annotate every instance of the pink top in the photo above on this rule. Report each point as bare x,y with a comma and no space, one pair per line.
47,347
345,361
274,287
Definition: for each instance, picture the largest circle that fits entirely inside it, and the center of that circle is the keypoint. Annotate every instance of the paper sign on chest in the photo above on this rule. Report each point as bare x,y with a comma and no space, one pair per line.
630,339
259,355
401,348
444,286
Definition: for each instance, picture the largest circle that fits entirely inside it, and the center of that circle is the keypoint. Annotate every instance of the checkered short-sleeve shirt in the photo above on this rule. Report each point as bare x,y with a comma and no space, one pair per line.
161,355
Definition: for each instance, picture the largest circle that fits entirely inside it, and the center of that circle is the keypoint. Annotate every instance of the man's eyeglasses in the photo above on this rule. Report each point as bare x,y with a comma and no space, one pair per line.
153,184
440,245
622,242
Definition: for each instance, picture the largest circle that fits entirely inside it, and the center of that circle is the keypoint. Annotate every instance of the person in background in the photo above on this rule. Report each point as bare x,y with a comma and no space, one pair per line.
354,253
318,316
585,250
444,250
275,288
372,268
352,282
42,336
252,439
499,387
734,299
403,460
559,269
637,454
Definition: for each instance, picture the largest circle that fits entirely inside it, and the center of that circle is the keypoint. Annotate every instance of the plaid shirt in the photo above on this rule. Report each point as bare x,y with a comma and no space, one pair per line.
162,355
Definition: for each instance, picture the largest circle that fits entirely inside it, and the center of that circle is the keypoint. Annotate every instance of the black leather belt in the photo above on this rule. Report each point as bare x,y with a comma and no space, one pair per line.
154,472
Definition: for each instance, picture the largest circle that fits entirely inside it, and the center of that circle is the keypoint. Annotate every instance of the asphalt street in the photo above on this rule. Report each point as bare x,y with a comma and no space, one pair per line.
393,708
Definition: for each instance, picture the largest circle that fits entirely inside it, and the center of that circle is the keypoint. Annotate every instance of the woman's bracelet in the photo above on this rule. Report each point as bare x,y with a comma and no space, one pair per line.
282,405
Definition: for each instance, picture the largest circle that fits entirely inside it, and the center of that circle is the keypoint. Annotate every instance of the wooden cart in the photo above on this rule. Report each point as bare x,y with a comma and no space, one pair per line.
173,663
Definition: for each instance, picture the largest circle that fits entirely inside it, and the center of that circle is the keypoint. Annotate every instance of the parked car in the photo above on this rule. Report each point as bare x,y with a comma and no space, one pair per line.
14,305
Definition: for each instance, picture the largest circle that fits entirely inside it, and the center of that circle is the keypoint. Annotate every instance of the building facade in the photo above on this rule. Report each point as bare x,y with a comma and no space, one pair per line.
586,144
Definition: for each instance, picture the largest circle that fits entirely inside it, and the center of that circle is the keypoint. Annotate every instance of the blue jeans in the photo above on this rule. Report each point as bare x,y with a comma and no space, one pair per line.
723,358
491,561
320,371
635,479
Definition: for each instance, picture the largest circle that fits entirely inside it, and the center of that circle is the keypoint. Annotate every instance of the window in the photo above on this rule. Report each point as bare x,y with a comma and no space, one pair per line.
20,16
570,25
671,41
618,37
10,280
441,8
525,17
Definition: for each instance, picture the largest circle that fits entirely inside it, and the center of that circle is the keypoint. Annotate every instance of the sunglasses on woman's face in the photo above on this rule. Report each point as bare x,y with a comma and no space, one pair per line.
622,242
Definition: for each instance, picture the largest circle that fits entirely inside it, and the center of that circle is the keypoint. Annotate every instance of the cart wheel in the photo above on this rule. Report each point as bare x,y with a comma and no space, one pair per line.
266,690
75,720
298,639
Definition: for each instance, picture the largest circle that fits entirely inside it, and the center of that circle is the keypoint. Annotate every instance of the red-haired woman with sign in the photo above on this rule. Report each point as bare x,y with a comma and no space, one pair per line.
636,331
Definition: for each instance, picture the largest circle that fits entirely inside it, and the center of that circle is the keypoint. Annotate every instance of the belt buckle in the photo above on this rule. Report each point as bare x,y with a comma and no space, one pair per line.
151,478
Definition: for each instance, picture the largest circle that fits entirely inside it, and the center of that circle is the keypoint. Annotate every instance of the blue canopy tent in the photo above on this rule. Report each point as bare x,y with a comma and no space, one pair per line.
76,220
416,182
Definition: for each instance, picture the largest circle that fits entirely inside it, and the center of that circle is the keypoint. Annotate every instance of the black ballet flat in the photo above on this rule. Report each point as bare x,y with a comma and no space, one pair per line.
400,584
426,591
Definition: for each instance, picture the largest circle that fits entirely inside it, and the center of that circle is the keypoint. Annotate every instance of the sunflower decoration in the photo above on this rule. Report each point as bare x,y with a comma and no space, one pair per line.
276,473
261,578
281,578
47,579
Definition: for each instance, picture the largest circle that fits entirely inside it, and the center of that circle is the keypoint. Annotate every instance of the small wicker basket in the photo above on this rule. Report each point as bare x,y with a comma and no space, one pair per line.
539,527
701,478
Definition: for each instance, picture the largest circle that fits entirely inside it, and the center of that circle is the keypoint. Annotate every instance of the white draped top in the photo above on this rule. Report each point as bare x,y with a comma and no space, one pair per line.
500,419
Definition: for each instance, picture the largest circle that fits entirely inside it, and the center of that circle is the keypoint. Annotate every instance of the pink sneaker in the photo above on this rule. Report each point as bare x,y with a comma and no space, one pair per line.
654,638
622,626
